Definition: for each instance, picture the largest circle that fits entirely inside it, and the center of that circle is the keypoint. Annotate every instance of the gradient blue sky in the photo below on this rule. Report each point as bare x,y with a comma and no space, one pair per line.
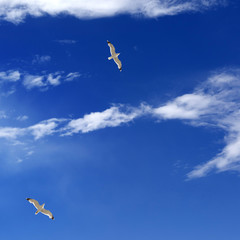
152,152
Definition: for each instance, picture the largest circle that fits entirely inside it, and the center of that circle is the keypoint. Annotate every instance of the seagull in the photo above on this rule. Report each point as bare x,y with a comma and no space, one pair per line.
40,208
114,56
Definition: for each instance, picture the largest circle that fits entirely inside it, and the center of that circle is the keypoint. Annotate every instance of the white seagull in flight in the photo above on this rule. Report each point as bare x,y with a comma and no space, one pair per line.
114,56
40,208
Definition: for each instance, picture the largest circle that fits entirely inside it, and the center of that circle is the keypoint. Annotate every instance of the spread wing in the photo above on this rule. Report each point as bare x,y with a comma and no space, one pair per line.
48,213
34,202
112,48
118,62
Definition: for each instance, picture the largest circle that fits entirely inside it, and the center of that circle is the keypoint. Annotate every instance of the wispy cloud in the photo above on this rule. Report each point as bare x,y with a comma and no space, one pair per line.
188,106
46,80
8,92
54,79
44,128
72,76
41,59
31,81
214,103
10,76
2,115
22,118
111,117
29,153
15,11
39,130
10,132
42,80
66,41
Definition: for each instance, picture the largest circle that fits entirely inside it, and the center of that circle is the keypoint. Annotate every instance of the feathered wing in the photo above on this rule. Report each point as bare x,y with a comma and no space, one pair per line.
112,48
118,62
48,213
34,202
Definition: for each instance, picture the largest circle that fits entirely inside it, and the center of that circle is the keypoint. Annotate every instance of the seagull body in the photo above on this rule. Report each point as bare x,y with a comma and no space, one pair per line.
40,208
114,56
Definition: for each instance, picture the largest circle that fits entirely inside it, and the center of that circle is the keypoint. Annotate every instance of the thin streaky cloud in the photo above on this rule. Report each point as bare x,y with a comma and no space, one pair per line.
39,130
8,92
188,106
54,80
214,103
44,128
112,117
10,132
66,41
45,80
71,76
19,160
30,81
30,153
10,76
3,115
22,118
41,59
16,10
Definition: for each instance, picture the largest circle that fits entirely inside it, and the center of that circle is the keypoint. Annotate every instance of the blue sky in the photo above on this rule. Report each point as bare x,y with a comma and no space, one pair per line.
151,152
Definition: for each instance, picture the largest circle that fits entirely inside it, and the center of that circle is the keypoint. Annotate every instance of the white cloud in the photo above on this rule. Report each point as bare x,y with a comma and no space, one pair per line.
16,10
22,118
111,117
8,92
10,76
66,41
29,153
229,157
30,81
41,59
44,128
46,80
72,76
10,133
39,130
2,115
188,106
214,103
19,160
54,80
